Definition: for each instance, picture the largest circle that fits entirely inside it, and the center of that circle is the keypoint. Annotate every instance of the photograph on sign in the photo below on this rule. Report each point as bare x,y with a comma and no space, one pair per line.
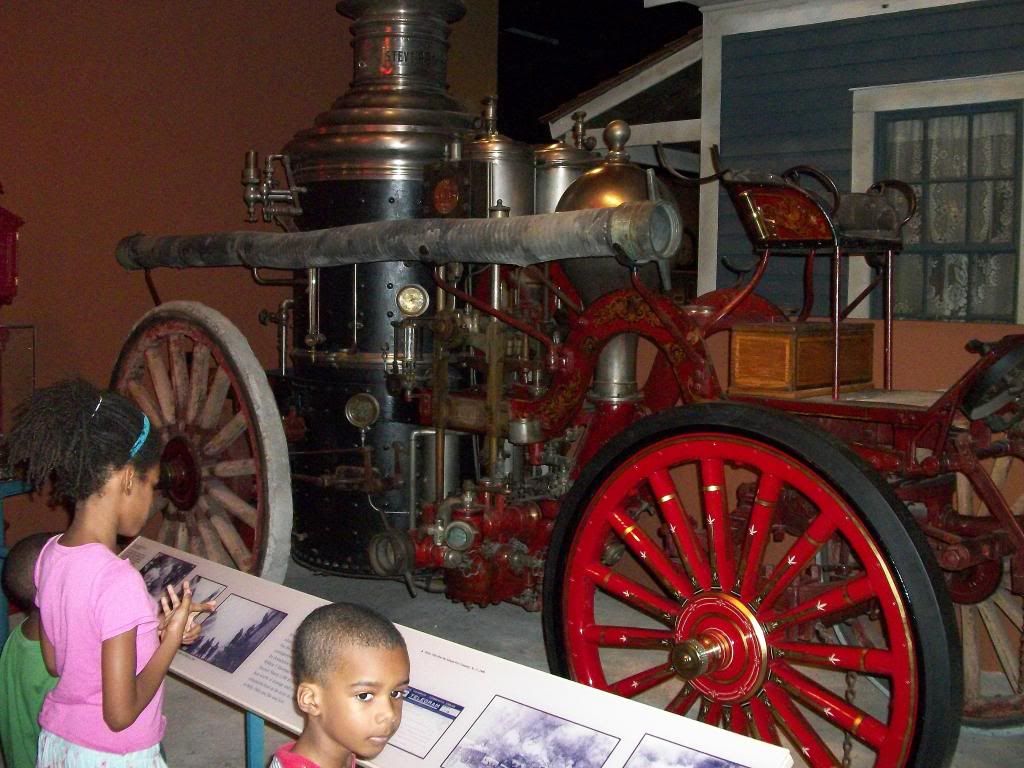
509,733
232,632
655,752
204,589
164,571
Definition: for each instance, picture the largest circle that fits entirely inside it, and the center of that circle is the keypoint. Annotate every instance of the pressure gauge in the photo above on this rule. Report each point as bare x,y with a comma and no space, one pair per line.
412,300
362,410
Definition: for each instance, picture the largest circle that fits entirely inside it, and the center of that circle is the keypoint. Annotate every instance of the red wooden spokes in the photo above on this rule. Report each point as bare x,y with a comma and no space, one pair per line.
729,558
681,529
650,554
756,540
764,723
631,593
684,700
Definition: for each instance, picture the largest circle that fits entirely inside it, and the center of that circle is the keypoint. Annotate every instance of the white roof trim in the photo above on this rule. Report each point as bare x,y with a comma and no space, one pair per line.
643,80
736,16
939,93
671,132
681,160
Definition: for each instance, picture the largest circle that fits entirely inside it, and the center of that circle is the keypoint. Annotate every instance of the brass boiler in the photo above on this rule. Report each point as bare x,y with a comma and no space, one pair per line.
363,161
613,182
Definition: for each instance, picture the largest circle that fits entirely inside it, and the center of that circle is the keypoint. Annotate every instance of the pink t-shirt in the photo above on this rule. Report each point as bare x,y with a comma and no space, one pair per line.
87,594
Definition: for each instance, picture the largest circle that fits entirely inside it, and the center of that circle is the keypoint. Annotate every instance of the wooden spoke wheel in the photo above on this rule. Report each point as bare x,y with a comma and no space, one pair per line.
990,616
695,567
225,491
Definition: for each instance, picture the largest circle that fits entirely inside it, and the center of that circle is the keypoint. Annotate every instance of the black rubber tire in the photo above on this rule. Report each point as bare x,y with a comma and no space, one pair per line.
898,538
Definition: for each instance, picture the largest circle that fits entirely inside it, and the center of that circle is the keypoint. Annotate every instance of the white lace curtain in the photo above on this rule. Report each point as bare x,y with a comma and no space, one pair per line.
962,167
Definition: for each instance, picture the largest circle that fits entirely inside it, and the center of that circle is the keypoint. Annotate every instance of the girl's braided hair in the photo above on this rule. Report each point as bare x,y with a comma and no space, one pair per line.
77,435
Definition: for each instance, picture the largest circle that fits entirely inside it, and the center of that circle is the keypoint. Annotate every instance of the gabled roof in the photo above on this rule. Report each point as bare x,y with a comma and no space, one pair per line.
661,65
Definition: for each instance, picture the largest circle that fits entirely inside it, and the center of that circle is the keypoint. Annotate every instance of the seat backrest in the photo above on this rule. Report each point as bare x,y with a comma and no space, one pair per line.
780,215
868,220
777,214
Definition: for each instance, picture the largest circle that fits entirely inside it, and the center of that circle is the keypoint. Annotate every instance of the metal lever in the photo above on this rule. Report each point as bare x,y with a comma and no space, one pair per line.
260,189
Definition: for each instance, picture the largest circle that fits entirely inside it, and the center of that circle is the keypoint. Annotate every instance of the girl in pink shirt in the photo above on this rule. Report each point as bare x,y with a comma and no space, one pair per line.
100,632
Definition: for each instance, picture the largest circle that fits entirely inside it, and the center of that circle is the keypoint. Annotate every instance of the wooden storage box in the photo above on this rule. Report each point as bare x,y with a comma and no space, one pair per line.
795,359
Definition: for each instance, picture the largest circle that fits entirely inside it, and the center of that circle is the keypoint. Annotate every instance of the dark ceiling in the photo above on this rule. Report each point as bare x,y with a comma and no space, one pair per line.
551,50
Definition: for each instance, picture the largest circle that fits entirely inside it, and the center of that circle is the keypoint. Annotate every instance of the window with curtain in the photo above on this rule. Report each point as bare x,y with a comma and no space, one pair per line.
960,257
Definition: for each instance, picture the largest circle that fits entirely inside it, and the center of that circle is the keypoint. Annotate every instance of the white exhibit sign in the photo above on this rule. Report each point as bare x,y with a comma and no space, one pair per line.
465,709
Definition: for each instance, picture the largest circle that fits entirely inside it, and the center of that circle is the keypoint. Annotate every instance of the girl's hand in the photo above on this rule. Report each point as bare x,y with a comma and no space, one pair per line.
175,612
174,608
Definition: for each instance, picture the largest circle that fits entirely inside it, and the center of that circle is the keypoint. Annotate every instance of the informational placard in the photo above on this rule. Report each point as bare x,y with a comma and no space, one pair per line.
465,709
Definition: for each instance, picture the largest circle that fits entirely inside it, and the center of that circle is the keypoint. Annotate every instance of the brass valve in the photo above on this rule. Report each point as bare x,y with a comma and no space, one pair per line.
260,190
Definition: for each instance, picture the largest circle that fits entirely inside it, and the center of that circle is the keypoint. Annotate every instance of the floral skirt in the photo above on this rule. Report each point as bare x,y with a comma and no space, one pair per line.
55,752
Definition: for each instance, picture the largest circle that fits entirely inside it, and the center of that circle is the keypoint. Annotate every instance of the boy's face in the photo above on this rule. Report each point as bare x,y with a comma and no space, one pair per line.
360,707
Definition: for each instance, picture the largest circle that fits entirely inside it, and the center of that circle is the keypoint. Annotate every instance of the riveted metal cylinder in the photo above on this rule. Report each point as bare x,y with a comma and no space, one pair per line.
501,166
558,166
362,161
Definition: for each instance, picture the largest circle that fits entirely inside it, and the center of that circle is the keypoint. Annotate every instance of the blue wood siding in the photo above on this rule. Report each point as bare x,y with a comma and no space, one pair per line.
786,98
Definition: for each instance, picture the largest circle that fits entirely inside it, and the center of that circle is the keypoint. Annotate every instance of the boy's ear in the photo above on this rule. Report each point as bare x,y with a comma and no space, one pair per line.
307,697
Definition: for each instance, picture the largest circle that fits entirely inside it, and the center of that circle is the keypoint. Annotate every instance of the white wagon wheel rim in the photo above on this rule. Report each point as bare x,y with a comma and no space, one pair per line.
225,484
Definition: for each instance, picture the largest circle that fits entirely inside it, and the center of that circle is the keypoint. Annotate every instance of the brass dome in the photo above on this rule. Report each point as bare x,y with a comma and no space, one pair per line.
613,182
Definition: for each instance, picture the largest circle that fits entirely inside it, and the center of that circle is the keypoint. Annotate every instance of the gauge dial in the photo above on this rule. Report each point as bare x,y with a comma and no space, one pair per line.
412,300
362,410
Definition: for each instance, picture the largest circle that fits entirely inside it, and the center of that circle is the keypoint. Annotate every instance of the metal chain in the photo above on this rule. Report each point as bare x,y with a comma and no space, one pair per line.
851,681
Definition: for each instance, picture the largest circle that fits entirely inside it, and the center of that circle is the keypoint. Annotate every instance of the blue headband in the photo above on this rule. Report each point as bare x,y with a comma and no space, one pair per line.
141,439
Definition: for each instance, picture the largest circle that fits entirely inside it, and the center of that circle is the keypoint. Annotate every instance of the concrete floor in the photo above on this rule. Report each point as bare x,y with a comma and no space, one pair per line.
204,732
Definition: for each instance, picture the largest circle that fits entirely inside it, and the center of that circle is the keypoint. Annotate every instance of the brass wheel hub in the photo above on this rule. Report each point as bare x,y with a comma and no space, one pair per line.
720,648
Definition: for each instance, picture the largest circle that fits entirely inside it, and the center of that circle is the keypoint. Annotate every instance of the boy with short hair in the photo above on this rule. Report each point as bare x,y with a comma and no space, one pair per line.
24,679
352,675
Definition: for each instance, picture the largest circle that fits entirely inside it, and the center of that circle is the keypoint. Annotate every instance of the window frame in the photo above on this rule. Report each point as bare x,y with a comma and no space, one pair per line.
924,115
926,95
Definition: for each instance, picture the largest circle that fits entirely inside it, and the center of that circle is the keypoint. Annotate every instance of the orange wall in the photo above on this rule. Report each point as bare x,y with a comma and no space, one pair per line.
932,355
123,117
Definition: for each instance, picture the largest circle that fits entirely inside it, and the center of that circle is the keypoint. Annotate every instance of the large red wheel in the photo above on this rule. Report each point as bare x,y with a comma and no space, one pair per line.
225,491
732,564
